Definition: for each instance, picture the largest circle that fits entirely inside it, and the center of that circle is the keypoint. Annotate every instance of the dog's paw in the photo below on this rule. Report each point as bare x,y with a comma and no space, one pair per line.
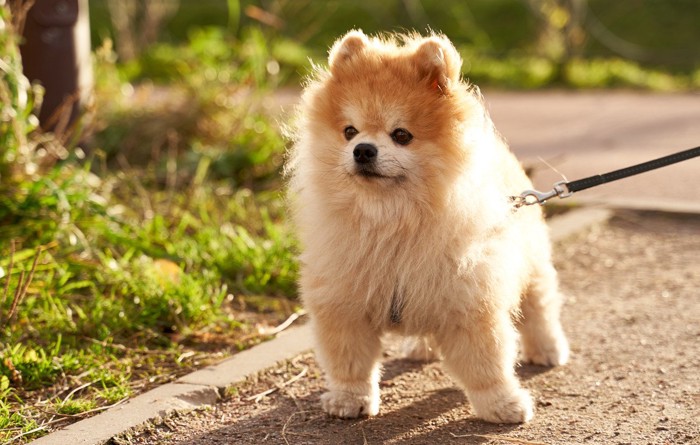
552,353
498,406
347,405
419,349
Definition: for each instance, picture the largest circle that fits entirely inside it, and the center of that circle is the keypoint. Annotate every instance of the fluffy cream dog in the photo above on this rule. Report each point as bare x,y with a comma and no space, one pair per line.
400,187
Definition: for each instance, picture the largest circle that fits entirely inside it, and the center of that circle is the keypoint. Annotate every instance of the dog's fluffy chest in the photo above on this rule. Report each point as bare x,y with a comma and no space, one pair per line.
404,280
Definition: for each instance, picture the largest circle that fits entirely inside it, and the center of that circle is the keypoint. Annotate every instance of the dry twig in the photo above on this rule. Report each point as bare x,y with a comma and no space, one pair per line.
288,322
276,330
70,394
286,424
259,396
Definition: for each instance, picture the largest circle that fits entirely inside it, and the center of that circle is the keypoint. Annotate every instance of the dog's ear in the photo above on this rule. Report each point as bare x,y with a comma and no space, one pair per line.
438,63
346,47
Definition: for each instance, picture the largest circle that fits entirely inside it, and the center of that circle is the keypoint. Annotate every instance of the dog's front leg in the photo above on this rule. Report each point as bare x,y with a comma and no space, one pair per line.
480,352
348,351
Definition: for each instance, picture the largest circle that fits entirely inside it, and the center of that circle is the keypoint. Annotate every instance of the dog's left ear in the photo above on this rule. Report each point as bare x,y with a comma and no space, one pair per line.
438,63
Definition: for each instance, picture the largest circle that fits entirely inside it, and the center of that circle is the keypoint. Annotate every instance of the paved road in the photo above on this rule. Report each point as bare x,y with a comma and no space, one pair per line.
582,134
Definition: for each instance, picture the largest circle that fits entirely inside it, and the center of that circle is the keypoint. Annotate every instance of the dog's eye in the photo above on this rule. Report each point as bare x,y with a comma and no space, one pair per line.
401,136
350,132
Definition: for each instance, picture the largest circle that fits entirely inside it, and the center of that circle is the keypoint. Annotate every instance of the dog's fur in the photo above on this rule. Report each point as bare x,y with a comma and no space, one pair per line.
428,245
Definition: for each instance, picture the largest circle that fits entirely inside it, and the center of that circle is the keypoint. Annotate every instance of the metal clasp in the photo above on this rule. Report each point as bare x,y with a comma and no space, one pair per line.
530,197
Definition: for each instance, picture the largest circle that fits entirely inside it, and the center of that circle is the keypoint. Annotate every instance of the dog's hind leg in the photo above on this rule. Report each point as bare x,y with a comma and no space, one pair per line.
349,352
543,339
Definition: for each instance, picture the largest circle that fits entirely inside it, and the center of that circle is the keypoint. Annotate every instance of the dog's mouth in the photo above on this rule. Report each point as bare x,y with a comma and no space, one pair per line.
372,174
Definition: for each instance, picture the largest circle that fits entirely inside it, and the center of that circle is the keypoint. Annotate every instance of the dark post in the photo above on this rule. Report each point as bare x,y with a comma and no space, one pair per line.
56,53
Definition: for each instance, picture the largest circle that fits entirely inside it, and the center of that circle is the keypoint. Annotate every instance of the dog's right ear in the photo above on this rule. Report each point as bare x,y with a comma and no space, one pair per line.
438,63
346,47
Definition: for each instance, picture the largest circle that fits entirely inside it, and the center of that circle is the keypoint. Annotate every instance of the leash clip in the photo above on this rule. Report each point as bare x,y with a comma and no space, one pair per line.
530,197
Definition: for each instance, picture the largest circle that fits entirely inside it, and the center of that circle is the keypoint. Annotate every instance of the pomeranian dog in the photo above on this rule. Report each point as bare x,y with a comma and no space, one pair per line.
400,189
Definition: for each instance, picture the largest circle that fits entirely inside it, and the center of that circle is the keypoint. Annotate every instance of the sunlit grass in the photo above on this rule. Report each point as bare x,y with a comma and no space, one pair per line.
121,284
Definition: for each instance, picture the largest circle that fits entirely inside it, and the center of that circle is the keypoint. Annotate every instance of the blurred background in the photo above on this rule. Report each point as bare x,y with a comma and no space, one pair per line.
507,43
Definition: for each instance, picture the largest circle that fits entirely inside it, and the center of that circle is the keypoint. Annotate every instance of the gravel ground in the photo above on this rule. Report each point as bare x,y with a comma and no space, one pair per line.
633,319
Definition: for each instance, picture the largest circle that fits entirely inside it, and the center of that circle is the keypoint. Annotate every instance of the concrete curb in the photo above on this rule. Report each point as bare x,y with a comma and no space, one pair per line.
204,387
155,403
195,390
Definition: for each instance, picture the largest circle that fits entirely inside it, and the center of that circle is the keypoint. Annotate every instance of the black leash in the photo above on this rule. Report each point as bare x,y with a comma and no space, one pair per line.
564,189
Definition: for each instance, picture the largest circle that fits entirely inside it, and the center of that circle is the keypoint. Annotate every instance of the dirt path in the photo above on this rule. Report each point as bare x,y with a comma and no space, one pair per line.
633,317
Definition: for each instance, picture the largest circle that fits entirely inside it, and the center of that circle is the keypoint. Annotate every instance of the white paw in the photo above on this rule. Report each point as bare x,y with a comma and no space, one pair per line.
419,349
499,406
348,405
555,353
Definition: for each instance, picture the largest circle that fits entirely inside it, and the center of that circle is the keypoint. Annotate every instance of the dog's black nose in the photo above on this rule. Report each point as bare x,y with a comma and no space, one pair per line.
364,153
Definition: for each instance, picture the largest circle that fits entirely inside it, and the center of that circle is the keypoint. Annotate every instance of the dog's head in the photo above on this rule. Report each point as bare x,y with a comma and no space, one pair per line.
388,114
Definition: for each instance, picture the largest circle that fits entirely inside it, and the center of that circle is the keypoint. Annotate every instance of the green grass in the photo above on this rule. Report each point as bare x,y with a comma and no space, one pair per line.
129,280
